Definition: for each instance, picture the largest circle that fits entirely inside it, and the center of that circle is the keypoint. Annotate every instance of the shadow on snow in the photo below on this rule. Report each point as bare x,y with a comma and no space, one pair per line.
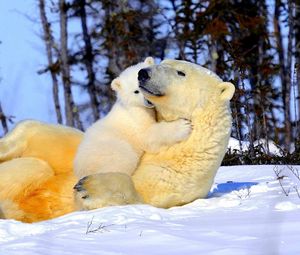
227,187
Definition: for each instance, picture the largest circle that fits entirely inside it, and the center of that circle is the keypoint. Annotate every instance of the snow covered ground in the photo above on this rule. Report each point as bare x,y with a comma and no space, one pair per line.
247,212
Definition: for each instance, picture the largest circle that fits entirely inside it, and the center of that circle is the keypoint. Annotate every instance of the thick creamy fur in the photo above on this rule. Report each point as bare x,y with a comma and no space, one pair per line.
36,171
185,171
37,158
117,142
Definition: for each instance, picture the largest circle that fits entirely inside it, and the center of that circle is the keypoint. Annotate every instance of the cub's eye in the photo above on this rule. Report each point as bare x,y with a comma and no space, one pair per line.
136,92
180,73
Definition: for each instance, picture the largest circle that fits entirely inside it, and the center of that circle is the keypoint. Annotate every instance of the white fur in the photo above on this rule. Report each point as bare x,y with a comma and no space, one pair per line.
117,142
186,171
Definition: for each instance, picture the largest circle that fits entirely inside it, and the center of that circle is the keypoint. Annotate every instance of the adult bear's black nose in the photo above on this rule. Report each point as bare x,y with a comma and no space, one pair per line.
143,75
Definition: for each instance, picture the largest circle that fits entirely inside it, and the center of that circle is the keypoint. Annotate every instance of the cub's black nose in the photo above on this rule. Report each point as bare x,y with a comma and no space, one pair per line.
143,75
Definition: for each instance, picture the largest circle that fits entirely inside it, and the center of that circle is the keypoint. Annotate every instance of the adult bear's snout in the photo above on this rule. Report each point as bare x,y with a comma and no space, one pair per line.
143,75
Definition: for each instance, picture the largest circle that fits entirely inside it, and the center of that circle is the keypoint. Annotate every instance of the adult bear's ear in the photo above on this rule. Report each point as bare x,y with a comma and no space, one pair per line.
149,61
116,84
227,90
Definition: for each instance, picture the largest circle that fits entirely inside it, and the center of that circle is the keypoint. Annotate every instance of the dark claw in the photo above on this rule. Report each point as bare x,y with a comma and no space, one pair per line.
78,187
85,197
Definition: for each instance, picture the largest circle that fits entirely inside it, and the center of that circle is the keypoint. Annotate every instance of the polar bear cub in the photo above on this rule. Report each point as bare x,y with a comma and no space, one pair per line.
116,142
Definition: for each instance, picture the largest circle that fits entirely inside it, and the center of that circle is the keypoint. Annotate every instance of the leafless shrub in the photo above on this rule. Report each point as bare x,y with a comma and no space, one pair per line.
280,177
243,193
101,228
297,190
295,171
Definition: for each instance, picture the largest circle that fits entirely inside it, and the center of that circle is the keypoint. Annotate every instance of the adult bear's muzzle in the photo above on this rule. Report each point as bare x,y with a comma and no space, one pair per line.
148,85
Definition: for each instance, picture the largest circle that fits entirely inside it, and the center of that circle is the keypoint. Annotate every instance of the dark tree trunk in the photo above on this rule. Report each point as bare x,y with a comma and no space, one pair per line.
89,60
284,74
297,58
49,41
289,130
3,120
72,115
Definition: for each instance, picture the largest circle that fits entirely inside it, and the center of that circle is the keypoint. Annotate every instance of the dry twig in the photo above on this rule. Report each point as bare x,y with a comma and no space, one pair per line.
100,228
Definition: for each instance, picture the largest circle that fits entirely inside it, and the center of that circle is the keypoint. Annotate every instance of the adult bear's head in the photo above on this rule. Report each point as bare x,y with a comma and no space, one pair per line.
178,87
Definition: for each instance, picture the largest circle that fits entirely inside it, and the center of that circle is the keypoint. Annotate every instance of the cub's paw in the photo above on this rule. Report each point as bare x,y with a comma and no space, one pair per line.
183,129
105,189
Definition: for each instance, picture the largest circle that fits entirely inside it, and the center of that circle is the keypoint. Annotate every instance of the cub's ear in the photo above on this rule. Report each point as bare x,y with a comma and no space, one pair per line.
149,61
116,84
227,90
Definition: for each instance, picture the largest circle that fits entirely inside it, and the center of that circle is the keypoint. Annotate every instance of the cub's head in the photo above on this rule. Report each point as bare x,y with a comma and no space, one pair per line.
127,87
177,88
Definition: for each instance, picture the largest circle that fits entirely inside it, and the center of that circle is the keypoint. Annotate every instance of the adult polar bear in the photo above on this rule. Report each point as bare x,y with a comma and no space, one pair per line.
174,176
185,171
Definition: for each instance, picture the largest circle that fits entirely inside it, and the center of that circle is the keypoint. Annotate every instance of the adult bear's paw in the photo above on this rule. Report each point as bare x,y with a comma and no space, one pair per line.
105,189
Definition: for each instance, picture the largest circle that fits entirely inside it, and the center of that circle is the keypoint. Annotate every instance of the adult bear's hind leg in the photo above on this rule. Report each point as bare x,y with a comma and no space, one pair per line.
18,179
14,143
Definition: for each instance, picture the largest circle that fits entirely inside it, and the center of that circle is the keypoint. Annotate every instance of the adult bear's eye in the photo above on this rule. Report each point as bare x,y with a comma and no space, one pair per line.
180,73
136,92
